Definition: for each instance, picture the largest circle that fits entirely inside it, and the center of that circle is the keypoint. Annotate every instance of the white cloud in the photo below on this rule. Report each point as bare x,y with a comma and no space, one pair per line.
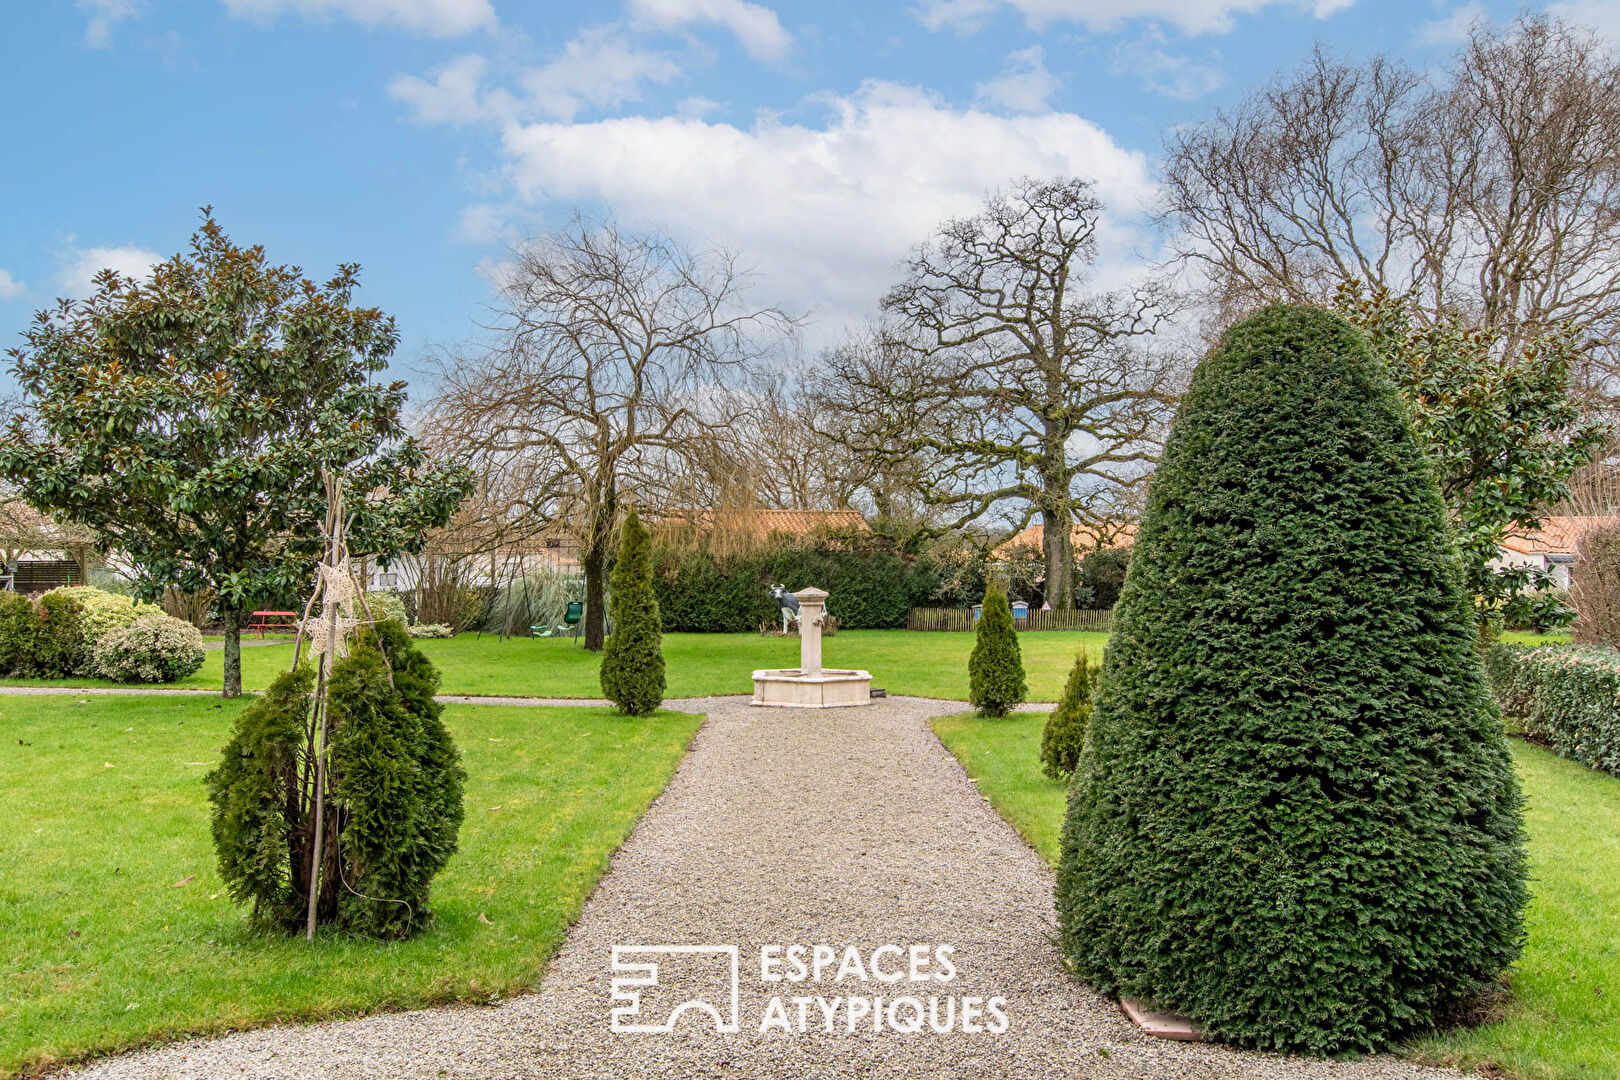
79,266
103,16
451,98
437,18
599,68
1453,27
756,28
10,287
825,213
1164,72
1024,85
1190,16
1601,15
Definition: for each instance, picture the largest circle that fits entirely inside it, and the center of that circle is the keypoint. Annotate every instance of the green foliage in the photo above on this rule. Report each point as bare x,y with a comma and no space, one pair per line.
1502,428
152,649
996,667
186,420
1102,575
633,658
397,776
387,604
394,806
18,632
260,810
1295,819
1566,696
871,586
104,611
60,646
1065,733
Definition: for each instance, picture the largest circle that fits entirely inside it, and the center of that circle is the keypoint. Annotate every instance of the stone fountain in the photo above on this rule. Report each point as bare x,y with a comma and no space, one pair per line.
810,686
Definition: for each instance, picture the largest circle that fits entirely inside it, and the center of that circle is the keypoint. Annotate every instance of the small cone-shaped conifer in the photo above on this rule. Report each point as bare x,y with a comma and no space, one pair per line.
1295,819
996,667
633,659
1065,731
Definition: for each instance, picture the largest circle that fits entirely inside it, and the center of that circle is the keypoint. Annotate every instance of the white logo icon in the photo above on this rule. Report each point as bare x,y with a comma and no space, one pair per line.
628,988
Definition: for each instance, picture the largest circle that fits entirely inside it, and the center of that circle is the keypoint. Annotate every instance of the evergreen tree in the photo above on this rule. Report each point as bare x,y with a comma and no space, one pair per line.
1065,731
996,667
633,658
393,806
1295,819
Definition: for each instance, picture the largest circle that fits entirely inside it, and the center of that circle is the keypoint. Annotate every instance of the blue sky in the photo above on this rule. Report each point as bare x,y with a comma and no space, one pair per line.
420,137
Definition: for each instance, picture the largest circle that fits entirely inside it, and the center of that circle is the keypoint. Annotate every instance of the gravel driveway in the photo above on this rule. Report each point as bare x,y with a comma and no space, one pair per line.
843,827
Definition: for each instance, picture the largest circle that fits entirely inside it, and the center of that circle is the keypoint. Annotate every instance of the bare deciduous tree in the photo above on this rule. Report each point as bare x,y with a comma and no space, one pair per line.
1006,380
1491,189
611,345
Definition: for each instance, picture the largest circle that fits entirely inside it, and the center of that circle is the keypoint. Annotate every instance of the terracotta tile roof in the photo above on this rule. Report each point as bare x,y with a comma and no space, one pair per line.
1084,537
763,523
1557,535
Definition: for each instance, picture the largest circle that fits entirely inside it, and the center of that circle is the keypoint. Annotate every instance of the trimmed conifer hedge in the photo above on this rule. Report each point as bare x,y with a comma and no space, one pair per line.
1568,697
633,659
1295,819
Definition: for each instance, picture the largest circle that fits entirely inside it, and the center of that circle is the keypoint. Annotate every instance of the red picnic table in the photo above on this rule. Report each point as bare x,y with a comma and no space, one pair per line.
270,622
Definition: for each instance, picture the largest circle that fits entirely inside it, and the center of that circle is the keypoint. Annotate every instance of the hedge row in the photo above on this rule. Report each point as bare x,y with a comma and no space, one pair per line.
869,589
1567,695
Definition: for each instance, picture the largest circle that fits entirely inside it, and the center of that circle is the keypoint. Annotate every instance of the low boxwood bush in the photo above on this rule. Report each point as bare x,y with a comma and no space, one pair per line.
1568,696
430,630
152,649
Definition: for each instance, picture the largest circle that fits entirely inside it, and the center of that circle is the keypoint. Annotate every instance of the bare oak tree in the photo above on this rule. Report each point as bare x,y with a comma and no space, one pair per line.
610,345
1491,188
1006,381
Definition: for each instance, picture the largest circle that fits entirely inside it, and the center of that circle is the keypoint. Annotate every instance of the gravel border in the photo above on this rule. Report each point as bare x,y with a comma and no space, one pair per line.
837,826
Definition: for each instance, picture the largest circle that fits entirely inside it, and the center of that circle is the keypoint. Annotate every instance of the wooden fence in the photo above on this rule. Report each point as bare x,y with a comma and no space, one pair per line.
961,619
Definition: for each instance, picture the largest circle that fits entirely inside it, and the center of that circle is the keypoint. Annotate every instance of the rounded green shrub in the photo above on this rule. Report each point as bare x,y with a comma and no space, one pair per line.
19,628
633,659
152,649
1065,731
996,666
61,646
1295,819
386,604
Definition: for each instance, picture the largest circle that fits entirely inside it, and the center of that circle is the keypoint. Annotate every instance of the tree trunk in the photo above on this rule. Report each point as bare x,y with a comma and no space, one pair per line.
233,651
1058,547
593,559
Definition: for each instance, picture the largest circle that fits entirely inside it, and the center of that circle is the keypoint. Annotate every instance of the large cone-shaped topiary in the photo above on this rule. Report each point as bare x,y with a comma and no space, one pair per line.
633,659
1295,819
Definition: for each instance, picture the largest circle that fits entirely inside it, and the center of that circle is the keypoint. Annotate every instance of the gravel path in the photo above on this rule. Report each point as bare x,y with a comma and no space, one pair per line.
839,827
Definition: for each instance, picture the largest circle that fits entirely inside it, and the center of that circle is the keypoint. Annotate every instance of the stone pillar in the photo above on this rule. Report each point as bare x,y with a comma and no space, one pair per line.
812,604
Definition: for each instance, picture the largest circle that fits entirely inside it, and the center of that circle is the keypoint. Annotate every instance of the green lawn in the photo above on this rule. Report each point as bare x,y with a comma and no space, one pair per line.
901,661
113,927
1564,1020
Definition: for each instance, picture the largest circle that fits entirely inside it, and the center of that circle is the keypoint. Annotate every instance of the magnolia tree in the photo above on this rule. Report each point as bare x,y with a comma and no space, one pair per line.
186,420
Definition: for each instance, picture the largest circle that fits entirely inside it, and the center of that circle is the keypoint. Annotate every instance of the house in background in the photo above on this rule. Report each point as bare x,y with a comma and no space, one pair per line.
38,554
1550,548
1031,542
